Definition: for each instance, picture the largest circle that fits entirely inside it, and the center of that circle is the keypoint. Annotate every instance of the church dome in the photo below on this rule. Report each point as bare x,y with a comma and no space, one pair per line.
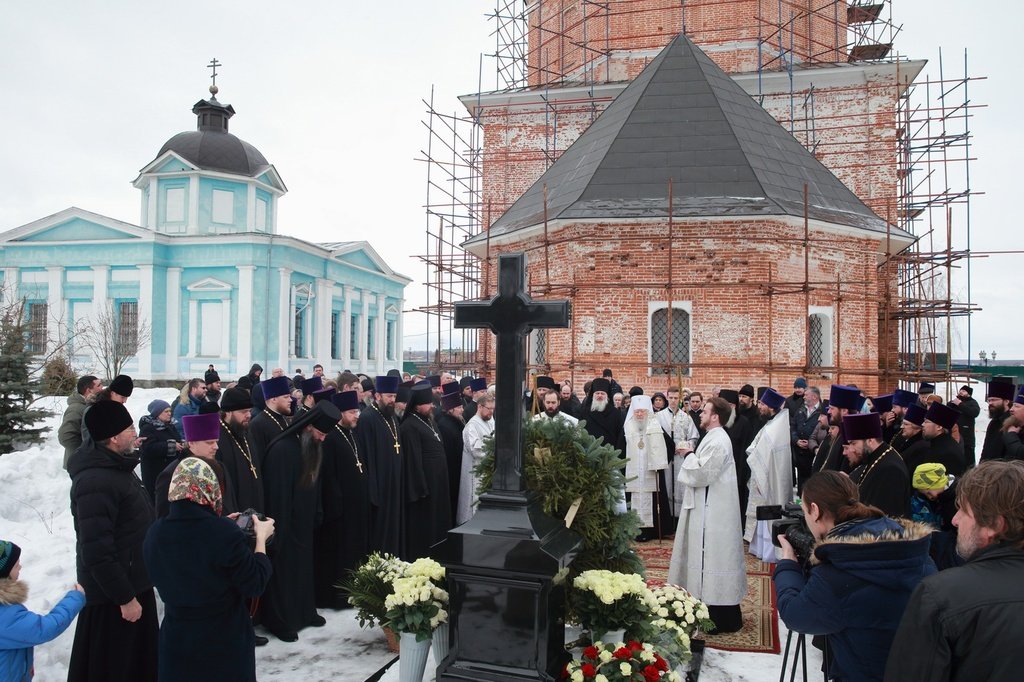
212,147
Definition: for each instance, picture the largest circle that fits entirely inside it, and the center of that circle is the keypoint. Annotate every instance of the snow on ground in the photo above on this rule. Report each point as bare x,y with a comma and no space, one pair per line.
35,514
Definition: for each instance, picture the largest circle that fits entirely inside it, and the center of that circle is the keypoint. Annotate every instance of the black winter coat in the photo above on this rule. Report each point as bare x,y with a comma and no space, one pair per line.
884,481
204,570
112,512
964,624
158,450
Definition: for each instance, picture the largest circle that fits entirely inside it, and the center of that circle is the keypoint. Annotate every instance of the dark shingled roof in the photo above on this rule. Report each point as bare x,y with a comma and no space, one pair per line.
686,119
212,147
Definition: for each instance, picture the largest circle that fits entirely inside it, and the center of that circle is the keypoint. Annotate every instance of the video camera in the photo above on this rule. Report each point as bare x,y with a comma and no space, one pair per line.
789,521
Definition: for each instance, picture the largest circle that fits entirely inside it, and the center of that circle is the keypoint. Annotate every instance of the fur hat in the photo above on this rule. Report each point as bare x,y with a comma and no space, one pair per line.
9,555
106,419
122,385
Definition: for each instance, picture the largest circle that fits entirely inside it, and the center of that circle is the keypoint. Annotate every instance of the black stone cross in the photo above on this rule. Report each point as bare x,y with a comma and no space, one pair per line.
511,315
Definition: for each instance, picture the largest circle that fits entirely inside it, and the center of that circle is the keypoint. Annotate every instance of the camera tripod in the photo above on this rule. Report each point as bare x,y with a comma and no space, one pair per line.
800,657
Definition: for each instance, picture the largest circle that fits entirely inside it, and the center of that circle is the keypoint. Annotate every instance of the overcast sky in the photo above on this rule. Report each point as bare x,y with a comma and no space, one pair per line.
331,93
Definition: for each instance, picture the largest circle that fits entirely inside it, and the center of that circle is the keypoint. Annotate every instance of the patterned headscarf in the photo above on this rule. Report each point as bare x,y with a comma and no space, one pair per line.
195,481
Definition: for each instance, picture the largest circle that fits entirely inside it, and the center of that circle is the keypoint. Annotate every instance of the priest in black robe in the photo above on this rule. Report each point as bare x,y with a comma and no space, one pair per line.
879,471
342,541
915,447
245,488
477,389
450,425
379,443
291,488
599,416
272,418
939,421
428,513
741,434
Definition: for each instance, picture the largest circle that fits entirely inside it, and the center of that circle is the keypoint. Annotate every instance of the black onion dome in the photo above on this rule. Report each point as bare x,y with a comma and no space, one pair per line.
212,147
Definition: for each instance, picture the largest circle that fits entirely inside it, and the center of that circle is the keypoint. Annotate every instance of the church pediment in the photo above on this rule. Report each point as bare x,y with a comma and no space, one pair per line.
210,284
168,162
273,179
74,225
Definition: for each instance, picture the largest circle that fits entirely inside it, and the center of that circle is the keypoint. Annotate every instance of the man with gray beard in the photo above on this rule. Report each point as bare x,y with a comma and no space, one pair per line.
292,493
599,417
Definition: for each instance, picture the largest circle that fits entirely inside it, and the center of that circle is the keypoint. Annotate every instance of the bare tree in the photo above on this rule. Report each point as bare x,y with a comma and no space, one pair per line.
114,336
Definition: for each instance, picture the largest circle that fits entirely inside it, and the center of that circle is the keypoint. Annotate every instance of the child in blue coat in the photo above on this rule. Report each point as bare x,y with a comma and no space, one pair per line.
20,629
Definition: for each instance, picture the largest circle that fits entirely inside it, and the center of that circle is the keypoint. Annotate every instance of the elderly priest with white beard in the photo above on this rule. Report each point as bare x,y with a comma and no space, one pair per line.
645,456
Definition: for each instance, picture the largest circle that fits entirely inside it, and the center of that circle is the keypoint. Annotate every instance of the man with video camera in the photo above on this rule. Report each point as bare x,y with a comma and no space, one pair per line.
856,583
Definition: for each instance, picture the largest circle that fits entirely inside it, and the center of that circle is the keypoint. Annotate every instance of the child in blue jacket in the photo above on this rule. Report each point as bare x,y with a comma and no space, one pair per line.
20,629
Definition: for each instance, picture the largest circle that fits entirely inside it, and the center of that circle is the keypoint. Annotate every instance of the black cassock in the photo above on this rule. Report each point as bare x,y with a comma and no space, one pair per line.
884,482
342,541
451,429
288,604
376,438
245,486
428,503
263,428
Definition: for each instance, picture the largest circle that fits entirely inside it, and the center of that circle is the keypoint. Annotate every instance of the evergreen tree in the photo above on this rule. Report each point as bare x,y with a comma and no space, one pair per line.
16,385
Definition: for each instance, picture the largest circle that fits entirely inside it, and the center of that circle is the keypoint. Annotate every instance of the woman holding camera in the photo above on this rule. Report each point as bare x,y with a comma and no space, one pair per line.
861,574
204,569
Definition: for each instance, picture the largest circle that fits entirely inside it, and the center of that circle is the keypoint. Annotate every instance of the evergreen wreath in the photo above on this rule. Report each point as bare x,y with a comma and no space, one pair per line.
577,466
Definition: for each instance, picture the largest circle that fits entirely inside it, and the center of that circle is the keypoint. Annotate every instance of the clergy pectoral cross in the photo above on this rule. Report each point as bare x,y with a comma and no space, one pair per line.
511,315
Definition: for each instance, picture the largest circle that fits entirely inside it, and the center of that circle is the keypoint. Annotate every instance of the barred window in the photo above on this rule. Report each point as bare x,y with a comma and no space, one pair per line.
539,347
389,341
300,328
353,335
819,345
128,327
335,342
371,347
680,347
36,341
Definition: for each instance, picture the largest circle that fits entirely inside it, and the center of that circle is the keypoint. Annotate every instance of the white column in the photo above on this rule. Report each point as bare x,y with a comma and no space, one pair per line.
54,306
145,318
250,208
364,320
193,205
225,329
152,216
193,327
246,276
322,323
173,321
346,326
284,318
10,286
399,340
100,305
382,335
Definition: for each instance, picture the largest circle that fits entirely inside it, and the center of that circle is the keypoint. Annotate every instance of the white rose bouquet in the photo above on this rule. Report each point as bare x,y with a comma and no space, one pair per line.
677,616
370,585
606,600
417,606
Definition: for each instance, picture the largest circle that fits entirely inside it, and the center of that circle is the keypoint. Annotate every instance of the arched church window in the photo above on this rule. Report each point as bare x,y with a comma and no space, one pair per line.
669,338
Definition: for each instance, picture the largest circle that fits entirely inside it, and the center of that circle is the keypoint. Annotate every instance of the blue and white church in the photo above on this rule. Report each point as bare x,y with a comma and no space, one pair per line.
206,271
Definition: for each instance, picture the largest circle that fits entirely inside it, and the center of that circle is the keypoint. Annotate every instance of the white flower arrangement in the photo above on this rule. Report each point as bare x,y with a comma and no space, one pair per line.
606,600
417,605
674,620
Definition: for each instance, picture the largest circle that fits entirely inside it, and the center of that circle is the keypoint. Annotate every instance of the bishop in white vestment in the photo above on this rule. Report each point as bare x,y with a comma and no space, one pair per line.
645,457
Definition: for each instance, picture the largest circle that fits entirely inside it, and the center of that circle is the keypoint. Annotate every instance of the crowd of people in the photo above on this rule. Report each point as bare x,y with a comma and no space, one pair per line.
257,497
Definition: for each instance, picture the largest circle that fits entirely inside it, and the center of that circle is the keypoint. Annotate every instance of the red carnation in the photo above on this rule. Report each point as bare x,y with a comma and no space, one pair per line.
588,670
652,674
622,653
591,652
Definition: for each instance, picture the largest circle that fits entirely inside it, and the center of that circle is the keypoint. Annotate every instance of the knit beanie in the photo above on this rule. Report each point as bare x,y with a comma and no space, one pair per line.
9,555
157,407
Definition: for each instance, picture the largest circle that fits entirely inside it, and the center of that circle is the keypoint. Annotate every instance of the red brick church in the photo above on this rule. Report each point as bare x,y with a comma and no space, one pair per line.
668,187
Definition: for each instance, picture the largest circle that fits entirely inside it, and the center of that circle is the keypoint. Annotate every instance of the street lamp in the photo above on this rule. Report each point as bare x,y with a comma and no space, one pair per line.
993,357
984,357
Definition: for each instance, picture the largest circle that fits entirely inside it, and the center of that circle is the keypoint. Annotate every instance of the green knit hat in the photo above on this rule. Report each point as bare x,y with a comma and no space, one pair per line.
9,555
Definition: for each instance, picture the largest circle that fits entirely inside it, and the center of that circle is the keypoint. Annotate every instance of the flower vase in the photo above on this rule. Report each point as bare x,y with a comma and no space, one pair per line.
392,638
412,661
612,636
439,643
